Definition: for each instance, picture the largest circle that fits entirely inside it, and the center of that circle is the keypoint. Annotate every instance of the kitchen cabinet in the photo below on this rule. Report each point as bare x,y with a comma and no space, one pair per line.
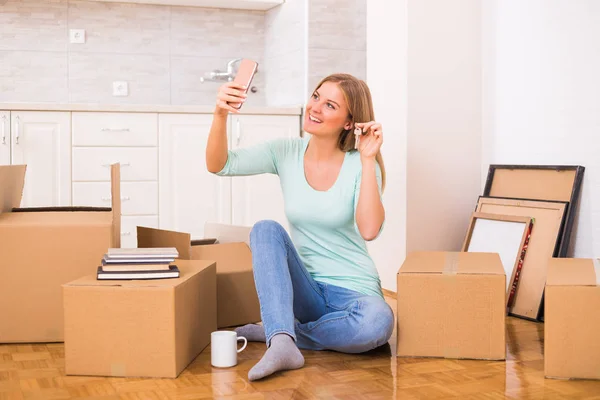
189,195
42,141
164,180
4,137
130,139
259,197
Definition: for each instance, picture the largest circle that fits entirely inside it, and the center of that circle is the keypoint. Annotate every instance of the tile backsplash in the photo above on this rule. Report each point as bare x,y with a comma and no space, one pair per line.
120,28
91,76
285,53
34,76
337,39
307,40
163,51
34,25
160,51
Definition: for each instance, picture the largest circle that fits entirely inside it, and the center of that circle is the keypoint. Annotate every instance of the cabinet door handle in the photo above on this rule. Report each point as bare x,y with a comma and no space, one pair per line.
17,126
115,129
125,164
238,131
124,198
4,129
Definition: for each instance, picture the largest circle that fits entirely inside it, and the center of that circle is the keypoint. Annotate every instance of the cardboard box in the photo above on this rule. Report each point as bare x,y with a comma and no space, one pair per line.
452,305
237,301
139,328
572,322
43,248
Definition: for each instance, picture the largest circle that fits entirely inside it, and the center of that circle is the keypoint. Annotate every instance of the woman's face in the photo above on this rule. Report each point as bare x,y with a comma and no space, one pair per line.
327,111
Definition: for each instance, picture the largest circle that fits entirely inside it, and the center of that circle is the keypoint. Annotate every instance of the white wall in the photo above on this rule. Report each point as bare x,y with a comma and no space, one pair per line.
541,94
424,69
459,85
444,121
386,77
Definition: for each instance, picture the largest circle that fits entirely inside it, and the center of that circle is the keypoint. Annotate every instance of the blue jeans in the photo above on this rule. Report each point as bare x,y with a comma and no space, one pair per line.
318,316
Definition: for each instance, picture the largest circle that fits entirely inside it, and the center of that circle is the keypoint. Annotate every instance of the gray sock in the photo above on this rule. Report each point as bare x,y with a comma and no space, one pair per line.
283,354
252,332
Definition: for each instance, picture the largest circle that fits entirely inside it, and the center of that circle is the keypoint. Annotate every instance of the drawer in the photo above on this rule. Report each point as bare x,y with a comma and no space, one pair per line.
114,129
137,198
129,228
93,163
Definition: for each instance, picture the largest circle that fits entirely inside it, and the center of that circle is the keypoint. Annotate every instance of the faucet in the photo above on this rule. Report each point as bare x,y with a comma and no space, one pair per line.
217,75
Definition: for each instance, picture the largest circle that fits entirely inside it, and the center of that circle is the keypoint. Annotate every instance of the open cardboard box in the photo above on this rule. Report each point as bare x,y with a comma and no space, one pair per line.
43,248
237,301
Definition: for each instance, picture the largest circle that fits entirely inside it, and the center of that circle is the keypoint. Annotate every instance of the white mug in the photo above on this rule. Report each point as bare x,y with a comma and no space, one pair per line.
223,348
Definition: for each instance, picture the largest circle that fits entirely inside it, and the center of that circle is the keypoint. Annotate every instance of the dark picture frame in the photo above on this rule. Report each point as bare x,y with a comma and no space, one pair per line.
572,200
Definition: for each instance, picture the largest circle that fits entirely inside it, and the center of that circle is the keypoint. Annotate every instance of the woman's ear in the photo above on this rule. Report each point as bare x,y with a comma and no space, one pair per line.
348,125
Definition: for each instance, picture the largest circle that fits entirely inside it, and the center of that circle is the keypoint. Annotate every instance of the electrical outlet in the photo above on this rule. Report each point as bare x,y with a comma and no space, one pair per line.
77,35
120,88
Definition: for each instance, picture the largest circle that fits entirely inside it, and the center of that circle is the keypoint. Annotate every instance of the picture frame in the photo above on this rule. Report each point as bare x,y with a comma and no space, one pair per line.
549,217
507,235
539,182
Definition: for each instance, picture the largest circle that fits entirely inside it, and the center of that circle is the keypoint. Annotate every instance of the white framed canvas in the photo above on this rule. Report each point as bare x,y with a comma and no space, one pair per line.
507,235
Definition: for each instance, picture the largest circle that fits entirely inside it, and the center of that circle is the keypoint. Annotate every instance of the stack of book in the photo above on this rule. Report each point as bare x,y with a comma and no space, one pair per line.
145,263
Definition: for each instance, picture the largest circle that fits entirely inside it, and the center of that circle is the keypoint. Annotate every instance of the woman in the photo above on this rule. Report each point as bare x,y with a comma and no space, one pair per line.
321,291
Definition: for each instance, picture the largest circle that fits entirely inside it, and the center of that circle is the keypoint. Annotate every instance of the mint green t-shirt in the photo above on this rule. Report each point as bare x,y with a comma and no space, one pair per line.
322,223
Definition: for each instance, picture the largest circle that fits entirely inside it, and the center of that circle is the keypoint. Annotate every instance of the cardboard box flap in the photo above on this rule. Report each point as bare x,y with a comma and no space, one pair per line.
230,257
56,218
227,233
186,272
115,194
12,181
152,237
440,262
201,242
573,272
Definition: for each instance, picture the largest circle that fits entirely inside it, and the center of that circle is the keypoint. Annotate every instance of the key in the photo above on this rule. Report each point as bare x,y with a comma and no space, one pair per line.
357,134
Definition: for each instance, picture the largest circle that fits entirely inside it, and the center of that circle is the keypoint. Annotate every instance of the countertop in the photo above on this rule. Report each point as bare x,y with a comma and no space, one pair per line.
145,108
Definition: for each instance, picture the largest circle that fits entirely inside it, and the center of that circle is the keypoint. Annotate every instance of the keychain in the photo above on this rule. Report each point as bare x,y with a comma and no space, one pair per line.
357,134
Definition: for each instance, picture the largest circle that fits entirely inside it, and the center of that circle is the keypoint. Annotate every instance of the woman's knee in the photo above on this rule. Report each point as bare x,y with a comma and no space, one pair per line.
376,326
265,228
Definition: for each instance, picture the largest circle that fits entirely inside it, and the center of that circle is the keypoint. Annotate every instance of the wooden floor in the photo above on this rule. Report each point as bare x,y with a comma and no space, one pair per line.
37,372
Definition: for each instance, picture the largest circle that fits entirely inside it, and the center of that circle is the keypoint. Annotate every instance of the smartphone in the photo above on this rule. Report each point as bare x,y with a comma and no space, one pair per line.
244,76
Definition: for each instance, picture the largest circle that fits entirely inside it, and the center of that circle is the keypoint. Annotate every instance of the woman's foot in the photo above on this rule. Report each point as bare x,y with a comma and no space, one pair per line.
252,332
283,354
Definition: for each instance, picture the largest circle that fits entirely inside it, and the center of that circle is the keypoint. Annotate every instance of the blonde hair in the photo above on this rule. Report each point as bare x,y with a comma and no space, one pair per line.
360,107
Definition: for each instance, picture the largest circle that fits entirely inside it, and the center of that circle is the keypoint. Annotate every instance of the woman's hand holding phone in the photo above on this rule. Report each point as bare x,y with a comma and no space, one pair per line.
230,92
